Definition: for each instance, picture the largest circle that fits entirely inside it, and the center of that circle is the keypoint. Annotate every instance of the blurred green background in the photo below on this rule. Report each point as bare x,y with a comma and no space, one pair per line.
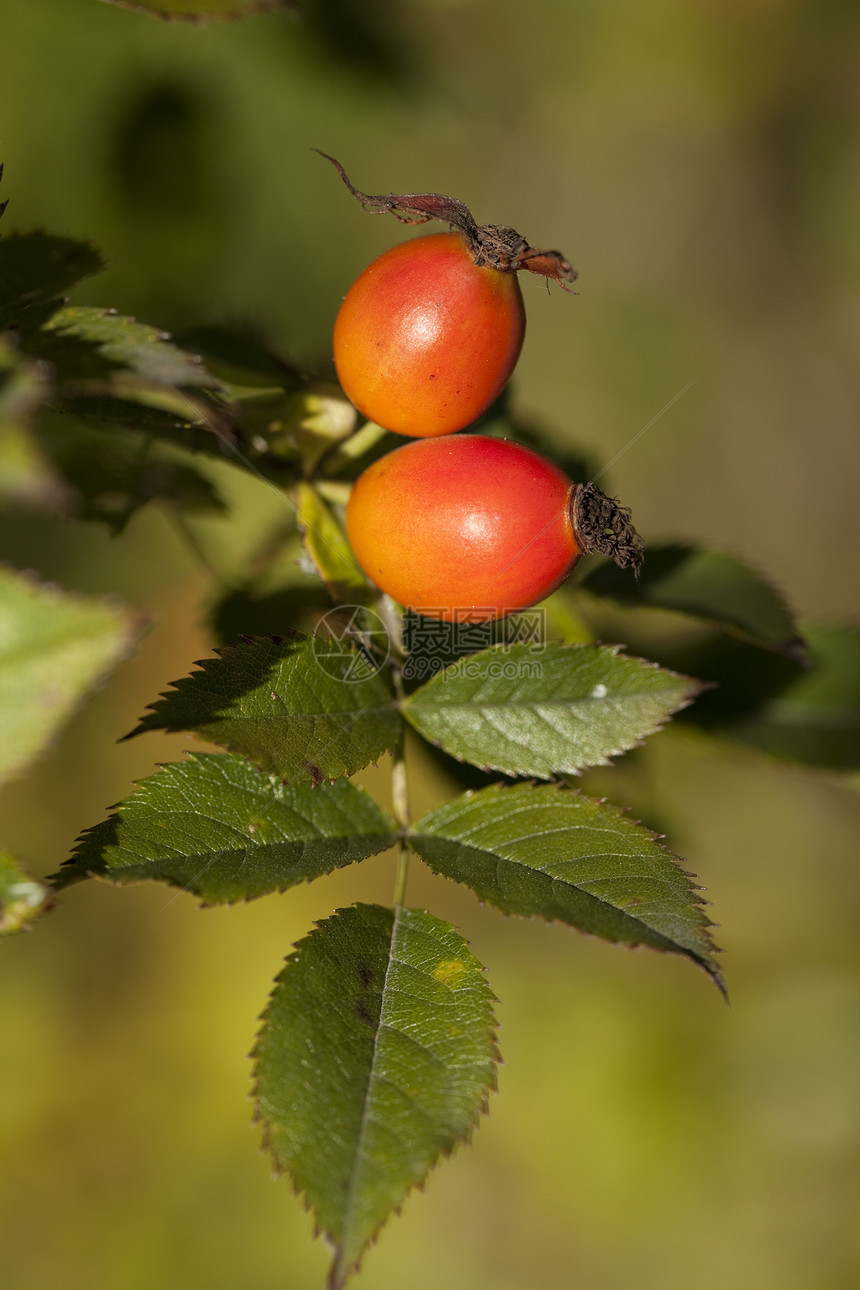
699,162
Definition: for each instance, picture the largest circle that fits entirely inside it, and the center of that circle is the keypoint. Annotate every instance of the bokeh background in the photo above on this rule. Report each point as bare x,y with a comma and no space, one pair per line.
699,162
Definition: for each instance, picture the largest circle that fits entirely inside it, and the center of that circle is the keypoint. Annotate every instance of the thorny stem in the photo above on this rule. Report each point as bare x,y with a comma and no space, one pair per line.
400,799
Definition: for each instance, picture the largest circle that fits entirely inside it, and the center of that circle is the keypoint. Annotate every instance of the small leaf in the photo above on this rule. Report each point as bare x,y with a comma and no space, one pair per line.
215,826
327,545
549,851
84,342
201,10
546,710
376,1056
704,584
22,899
54,647
815,718
36,268
306,708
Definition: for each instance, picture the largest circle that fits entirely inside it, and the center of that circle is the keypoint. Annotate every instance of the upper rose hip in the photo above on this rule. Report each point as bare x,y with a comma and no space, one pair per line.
428,335
426,339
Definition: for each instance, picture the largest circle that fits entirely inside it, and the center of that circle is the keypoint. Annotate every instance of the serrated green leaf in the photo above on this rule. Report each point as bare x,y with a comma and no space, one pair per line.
306,708
548,851
54,647
547,710
83,342
327,545
200,10
704,584
215,826
376,1056
815,718
36,268
22,899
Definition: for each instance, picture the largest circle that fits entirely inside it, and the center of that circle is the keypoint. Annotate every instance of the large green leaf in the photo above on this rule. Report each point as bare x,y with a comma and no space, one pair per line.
200,10
549,851
36,268
54,647
815,718
529,710
704,584
22,899
215,826
306,708
83,342
376,1056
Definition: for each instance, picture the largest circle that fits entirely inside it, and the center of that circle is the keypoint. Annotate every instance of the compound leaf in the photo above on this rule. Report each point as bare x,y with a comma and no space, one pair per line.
22,899
547,850
376,1056
54,647
546,710
215,826
305,708
36,268
704,584
83,342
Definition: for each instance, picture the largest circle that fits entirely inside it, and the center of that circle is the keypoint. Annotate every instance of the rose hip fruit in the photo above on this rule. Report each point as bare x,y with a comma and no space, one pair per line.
478,527
426,339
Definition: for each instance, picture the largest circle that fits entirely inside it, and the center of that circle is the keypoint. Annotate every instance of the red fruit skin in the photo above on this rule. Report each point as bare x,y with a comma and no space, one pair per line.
425,340
463,526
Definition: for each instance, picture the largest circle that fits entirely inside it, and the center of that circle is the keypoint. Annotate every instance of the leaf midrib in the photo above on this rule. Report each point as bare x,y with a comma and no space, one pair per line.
371,1080
699,955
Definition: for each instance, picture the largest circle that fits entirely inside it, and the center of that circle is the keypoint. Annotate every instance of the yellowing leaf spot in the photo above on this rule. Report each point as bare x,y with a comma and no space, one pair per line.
449,971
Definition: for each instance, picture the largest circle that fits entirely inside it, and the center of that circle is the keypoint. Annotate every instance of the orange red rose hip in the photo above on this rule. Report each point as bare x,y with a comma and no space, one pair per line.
426,339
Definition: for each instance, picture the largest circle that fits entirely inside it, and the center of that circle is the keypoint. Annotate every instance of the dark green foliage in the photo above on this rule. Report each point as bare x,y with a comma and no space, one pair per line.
814,717
35,270
704,584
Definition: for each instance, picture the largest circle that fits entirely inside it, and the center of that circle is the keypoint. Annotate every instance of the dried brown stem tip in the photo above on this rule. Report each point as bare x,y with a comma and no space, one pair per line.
603,527
493,245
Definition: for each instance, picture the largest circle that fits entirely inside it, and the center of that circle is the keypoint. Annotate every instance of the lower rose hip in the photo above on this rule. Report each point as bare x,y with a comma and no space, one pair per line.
472,525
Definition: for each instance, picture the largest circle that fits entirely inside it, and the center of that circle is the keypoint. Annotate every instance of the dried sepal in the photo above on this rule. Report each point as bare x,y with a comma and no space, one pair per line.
492,245
604,527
